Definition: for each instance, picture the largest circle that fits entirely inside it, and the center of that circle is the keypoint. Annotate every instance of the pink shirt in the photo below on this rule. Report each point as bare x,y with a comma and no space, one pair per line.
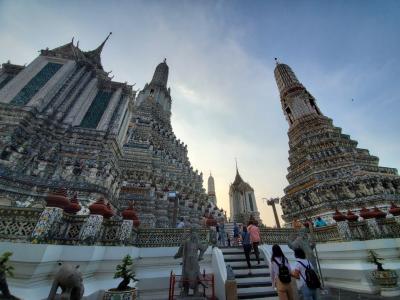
254,233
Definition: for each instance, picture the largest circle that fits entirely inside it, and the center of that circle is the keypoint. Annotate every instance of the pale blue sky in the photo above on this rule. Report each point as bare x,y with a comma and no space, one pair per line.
220,53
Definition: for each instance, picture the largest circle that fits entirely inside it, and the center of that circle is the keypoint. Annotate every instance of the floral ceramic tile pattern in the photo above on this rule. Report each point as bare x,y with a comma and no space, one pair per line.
48,217
126,230
92,227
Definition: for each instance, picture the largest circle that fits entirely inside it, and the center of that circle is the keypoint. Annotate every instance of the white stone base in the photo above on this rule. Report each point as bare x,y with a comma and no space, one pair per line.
390,292
35,265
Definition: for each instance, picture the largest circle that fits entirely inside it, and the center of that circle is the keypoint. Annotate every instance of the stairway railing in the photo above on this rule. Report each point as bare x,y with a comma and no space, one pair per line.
219,269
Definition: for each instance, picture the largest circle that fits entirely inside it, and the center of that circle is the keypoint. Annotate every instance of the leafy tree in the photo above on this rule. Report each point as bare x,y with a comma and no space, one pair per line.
125,272
5,270
374,258
4,267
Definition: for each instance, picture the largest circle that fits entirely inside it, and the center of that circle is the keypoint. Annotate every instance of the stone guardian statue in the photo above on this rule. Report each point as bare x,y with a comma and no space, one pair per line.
302,240
189,251
69,279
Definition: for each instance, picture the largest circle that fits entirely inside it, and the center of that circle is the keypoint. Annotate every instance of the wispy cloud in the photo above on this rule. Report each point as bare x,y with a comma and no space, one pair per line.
225,102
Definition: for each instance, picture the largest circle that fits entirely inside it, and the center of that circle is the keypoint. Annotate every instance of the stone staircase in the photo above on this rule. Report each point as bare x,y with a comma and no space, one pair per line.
229,230
258,285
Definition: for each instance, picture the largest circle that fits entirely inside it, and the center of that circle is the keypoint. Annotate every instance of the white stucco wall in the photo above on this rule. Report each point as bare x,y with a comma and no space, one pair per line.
36,263
344,264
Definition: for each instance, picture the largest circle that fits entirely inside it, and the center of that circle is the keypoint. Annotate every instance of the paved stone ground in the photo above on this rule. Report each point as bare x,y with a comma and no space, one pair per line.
336,294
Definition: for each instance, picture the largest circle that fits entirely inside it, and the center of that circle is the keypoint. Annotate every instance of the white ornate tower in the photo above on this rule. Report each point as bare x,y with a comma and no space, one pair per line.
242,201
327,170
211,190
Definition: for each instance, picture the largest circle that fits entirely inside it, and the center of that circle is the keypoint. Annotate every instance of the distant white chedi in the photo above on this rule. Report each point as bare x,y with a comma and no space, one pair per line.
242,201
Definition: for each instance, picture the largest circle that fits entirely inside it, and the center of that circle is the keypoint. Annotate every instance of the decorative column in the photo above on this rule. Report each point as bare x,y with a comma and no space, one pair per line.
344,230
373,228
272,202
91,229
342,225
55,204
130,220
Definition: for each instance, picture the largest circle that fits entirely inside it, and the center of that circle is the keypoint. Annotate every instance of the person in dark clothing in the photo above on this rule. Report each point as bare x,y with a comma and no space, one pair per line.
246,246
235,234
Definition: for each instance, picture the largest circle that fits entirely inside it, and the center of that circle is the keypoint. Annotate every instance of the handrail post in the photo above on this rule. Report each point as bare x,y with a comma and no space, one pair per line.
170,282
212,286
173,287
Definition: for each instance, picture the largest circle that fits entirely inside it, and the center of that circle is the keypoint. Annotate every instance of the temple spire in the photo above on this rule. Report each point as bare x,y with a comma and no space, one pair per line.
160,76
237,170
100,48
296,101
95,55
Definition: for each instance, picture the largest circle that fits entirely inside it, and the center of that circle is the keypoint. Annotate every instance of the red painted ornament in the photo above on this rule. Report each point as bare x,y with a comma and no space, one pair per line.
130,214
99,207
74,206
366,213
351,217
394,210
378,214
338,216
58,199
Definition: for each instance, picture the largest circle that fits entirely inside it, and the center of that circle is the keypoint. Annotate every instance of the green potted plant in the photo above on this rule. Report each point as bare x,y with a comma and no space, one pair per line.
5,270
123,291
384,278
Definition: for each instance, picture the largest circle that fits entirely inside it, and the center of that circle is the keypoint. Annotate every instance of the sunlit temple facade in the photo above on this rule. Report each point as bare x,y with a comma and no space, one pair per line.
65,123
327,170
242,201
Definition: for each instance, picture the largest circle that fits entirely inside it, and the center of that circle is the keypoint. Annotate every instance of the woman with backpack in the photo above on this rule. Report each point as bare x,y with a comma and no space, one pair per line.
281,274
309,281
246,243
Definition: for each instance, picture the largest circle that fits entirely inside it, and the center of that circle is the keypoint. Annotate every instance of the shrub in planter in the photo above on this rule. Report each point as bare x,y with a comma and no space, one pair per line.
384,278
123,291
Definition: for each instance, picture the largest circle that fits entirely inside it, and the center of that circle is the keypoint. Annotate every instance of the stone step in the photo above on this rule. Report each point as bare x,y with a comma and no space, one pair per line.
238,252
260,296
245,271
240,259
259,289
253,278
231,249
254,274
254,283
255,267
243,263
237,255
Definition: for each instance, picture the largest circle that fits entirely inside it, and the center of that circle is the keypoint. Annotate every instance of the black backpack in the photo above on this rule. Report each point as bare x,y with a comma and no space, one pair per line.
284,274
312,279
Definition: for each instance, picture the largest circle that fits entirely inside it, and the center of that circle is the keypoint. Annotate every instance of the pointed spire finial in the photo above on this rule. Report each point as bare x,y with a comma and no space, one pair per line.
276,61
104,42
165,60
237,170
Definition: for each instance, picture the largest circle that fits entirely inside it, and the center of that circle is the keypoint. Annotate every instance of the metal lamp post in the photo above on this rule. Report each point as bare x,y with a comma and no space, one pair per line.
272,202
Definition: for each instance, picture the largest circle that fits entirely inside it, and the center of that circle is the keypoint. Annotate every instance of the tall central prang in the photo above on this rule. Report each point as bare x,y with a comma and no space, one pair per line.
327,170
